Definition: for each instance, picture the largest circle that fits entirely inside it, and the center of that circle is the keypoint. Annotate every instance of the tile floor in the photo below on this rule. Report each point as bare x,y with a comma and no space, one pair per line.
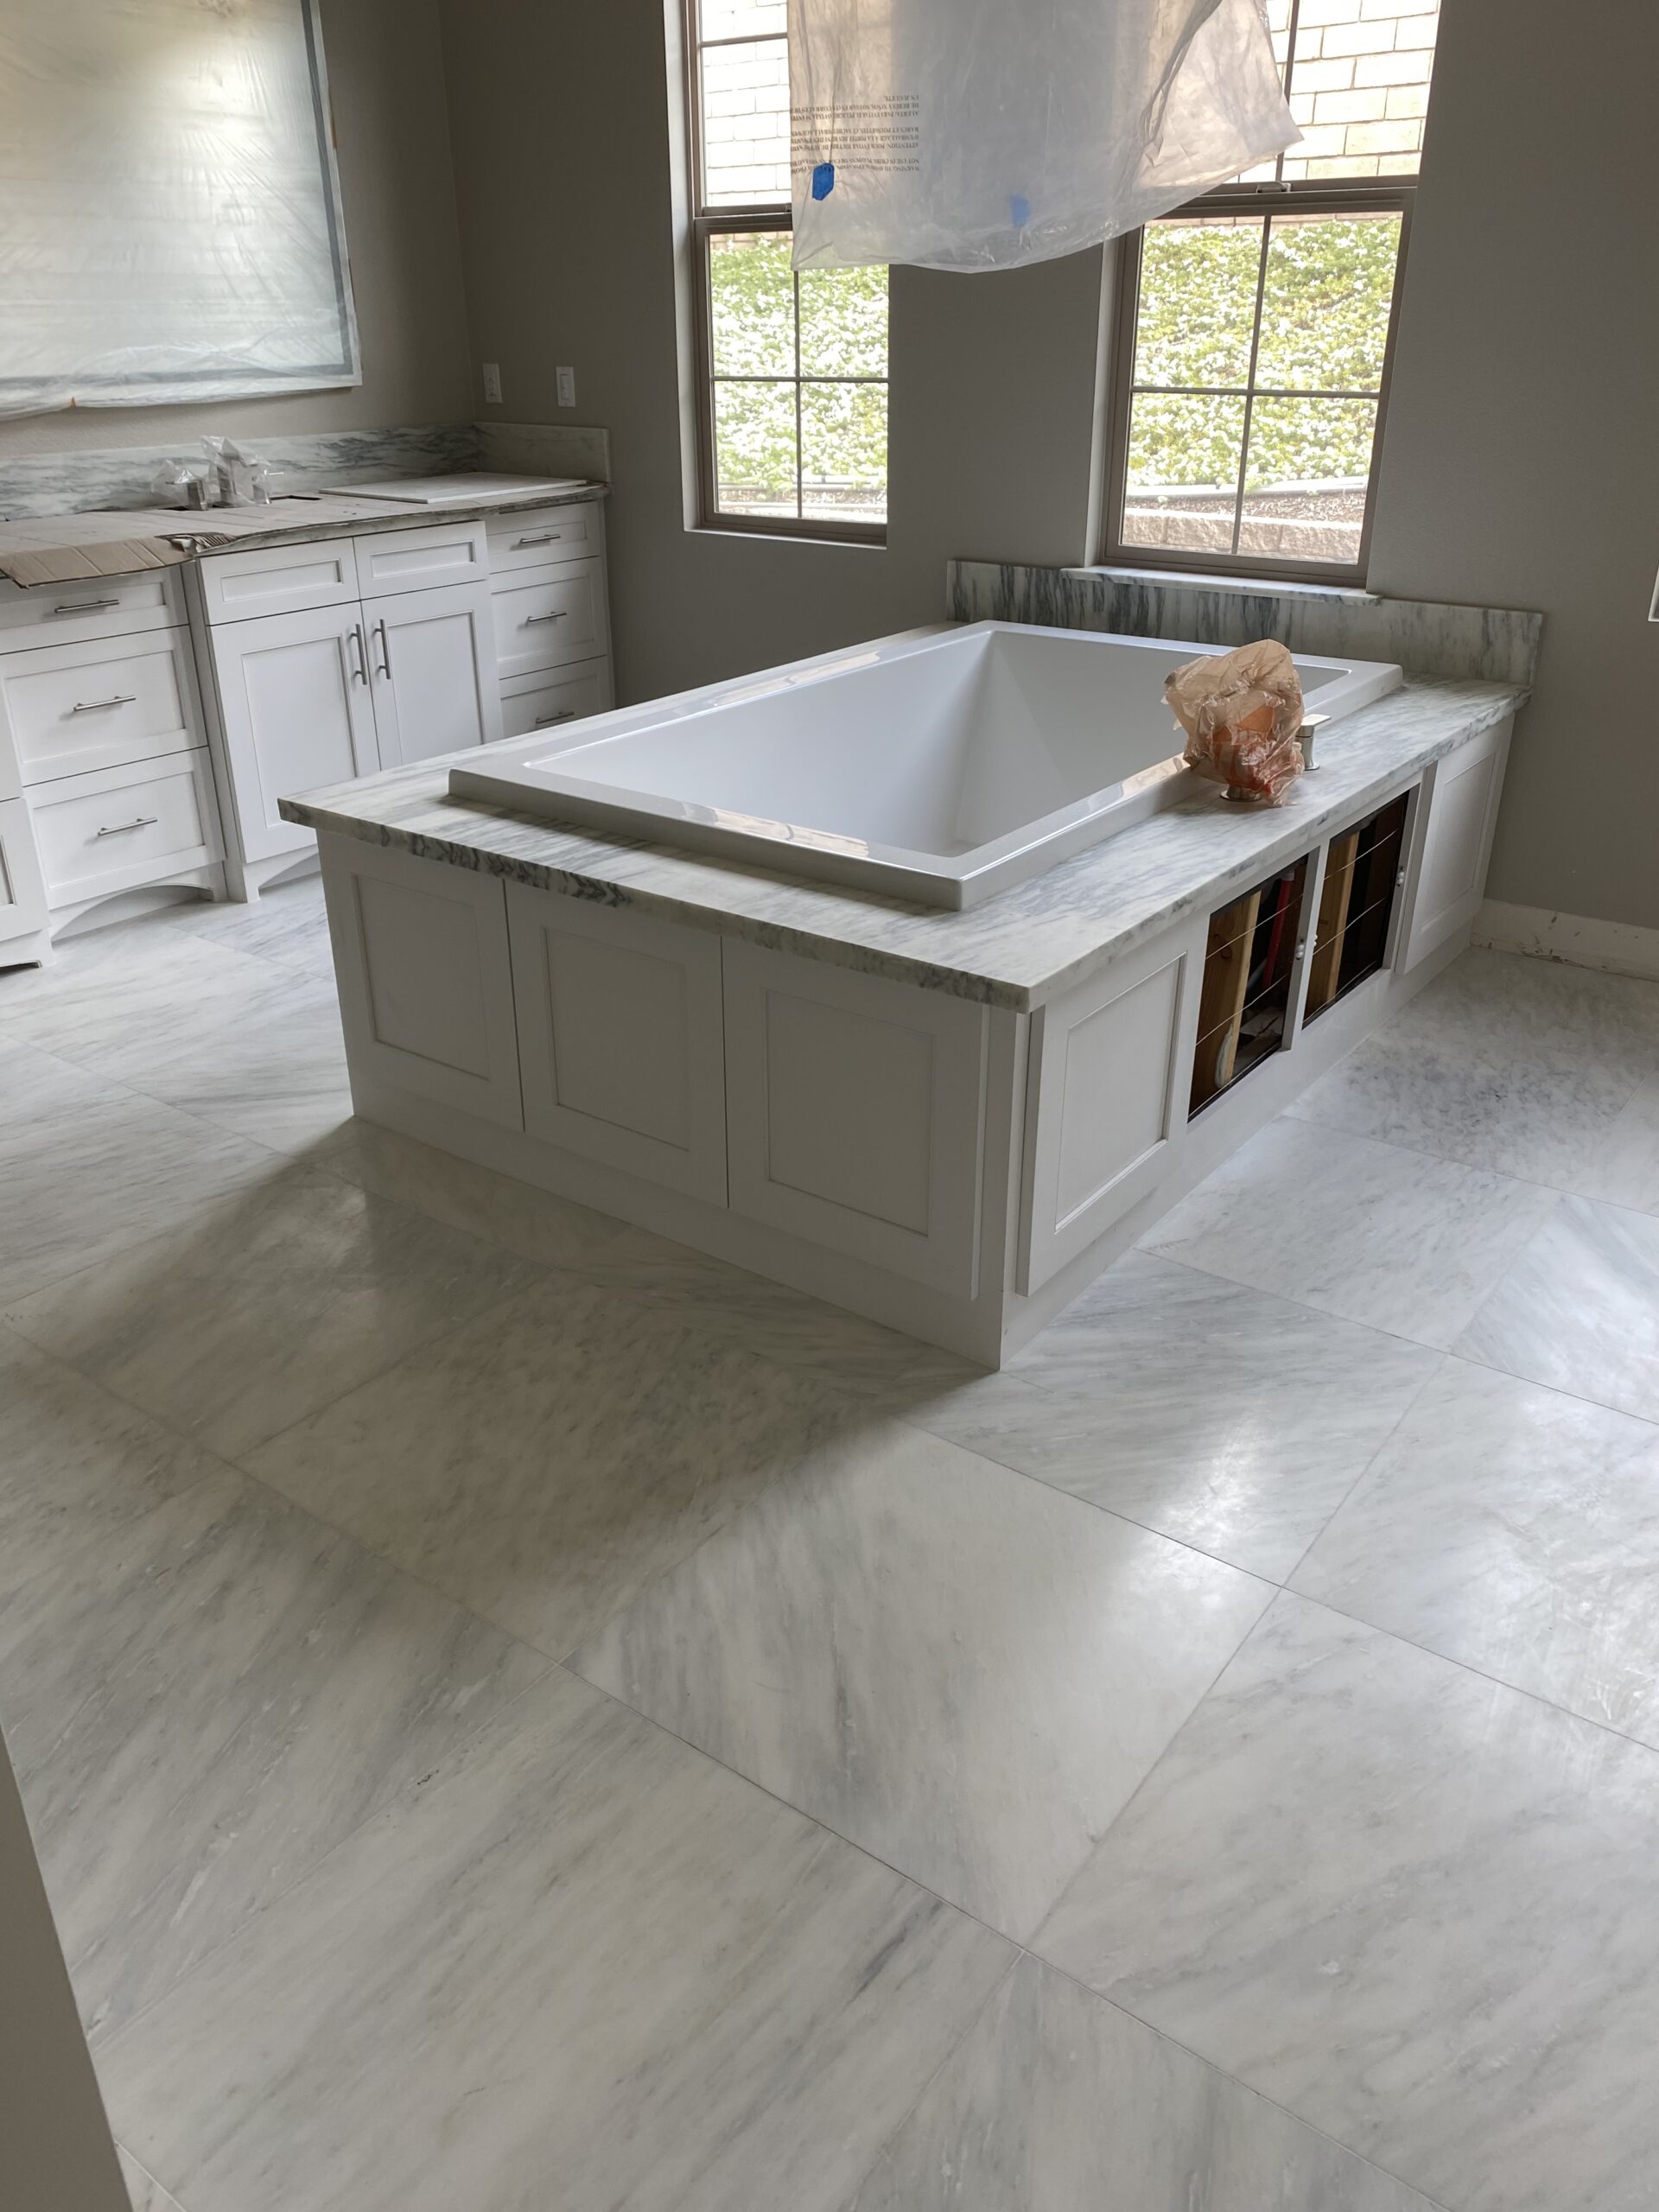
517,1715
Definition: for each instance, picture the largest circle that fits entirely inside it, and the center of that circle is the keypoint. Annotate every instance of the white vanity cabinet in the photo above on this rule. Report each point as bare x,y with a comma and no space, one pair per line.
23,890
432,672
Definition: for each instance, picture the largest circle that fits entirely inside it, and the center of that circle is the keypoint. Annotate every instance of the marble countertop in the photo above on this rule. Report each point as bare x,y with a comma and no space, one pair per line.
297,516
1016,950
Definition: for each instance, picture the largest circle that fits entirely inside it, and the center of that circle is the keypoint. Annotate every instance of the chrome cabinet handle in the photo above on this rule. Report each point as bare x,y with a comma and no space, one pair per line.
359,653
547,538
386,648
565,715
83,606
120,828
96,706
557,616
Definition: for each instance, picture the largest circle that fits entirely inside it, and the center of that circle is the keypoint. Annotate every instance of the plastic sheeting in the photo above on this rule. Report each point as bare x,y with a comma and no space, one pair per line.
169,209
981,133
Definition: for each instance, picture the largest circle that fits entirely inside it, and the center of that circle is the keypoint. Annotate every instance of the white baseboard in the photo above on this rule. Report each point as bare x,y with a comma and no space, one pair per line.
1620,947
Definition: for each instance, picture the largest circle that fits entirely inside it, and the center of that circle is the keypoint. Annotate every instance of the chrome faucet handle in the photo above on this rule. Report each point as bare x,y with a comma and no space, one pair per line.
1311,725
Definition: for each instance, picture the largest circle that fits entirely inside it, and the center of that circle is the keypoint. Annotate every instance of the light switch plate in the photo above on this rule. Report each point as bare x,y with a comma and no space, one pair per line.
492,383
567,379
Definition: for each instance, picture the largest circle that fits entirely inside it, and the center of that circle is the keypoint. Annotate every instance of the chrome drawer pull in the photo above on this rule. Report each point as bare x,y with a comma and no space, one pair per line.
120,828
547,538
565,715
360,654
557,616
385,662
83,606
96,706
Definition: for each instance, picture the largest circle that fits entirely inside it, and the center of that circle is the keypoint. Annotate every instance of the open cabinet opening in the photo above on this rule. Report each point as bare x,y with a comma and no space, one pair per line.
1362,876
1244,1000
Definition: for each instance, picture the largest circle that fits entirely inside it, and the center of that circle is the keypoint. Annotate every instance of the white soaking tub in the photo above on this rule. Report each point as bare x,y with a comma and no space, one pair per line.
941,766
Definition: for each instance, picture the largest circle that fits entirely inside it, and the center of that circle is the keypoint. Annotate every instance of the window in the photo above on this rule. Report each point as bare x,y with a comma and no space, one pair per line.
1257,322
792,370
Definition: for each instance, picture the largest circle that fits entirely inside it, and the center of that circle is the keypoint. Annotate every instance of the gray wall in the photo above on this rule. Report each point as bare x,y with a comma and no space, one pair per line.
391,122
1522,466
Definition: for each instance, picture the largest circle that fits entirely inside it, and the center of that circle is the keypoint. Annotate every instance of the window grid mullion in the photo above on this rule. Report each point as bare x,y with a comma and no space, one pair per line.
800,497
1249,381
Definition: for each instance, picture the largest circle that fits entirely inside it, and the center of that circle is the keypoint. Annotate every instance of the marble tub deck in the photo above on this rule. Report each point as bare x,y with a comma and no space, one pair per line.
515,1713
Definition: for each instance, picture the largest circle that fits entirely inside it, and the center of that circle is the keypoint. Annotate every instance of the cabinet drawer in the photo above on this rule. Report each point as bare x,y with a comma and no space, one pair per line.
540,702
549,616
531,541
22,895
414,560
278,580
99,606
123,826
75,708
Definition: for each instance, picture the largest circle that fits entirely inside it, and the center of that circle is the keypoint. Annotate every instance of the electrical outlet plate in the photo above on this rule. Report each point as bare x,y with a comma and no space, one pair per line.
492,383
567,379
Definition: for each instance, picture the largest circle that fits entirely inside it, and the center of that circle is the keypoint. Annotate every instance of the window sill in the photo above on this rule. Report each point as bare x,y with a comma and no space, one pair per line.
742,537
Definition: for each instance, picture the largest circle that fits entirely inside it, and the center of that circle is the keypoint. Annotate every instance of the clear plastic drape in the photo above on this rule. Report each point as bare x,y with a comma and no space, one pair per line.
981,133
169,210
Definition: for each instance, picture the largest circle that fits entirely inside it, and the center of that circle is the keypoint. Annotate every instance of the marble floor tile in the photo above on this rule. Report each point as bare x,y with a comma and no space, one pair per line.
1624,1170
288,925
267,1307
201,1703
781,1324
552,1231
1578,1310
84,1181
1496,1001
277,1076
75,1461
1514,1529
544,1462
1056,2101
140,984
1413,1905
964,1671
1356,1228
582,1966
145,2191
1224,1417
36,1086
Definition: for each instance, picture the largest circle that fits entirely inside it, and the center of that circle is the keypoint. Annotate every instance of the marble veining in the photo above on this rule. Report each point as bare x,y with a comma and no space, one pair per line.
145,2191
202,1701
1428,638
582,1965
1412,1905
964,1672
1222,1416
1013,950
1516,1529
1056,2101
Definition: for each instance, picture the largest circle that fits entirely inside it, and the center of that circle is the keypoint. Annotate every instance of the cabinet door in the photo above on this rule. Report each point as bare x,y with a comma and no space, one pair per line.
619,1038
855,1111
433,657
23,894
1460,796
293,700
1106,1099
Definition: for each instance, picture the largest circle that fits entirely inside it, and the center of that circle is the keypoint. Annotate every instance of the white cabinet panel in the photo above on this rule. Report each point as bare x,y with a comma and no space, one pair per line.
1105,1102
419,559
98,606
530,540
435,686
74,708
22,893
1460,796
619,1025
118,827
425,979
543,700
854,1113
294,699
278,580
545,617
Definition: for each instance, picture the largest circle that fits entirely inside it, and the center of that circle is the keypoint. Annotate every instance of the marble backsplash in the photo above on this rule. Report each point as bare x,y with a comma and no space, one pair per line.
1427,638
124,476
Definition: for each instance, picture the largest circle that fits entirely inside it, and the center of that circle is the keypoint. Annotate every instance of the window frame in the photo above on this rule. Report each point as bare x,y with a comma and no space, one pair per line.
704,224
1309,196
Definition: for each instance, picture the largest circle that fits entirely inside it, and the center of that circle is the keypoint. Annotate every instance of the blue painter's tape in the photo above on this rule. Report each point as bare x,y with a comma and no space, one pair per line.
823,180
1019,209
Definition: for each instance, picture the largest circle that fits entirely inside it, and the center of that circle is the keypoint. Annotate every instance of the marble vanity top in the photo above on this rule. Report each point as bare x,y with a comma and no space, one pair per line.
68,546
1015,950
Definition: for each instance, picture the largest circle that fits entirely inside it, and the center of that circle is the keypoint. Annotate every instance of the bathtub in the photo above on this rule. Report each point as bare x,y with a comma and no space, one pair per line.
940,766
